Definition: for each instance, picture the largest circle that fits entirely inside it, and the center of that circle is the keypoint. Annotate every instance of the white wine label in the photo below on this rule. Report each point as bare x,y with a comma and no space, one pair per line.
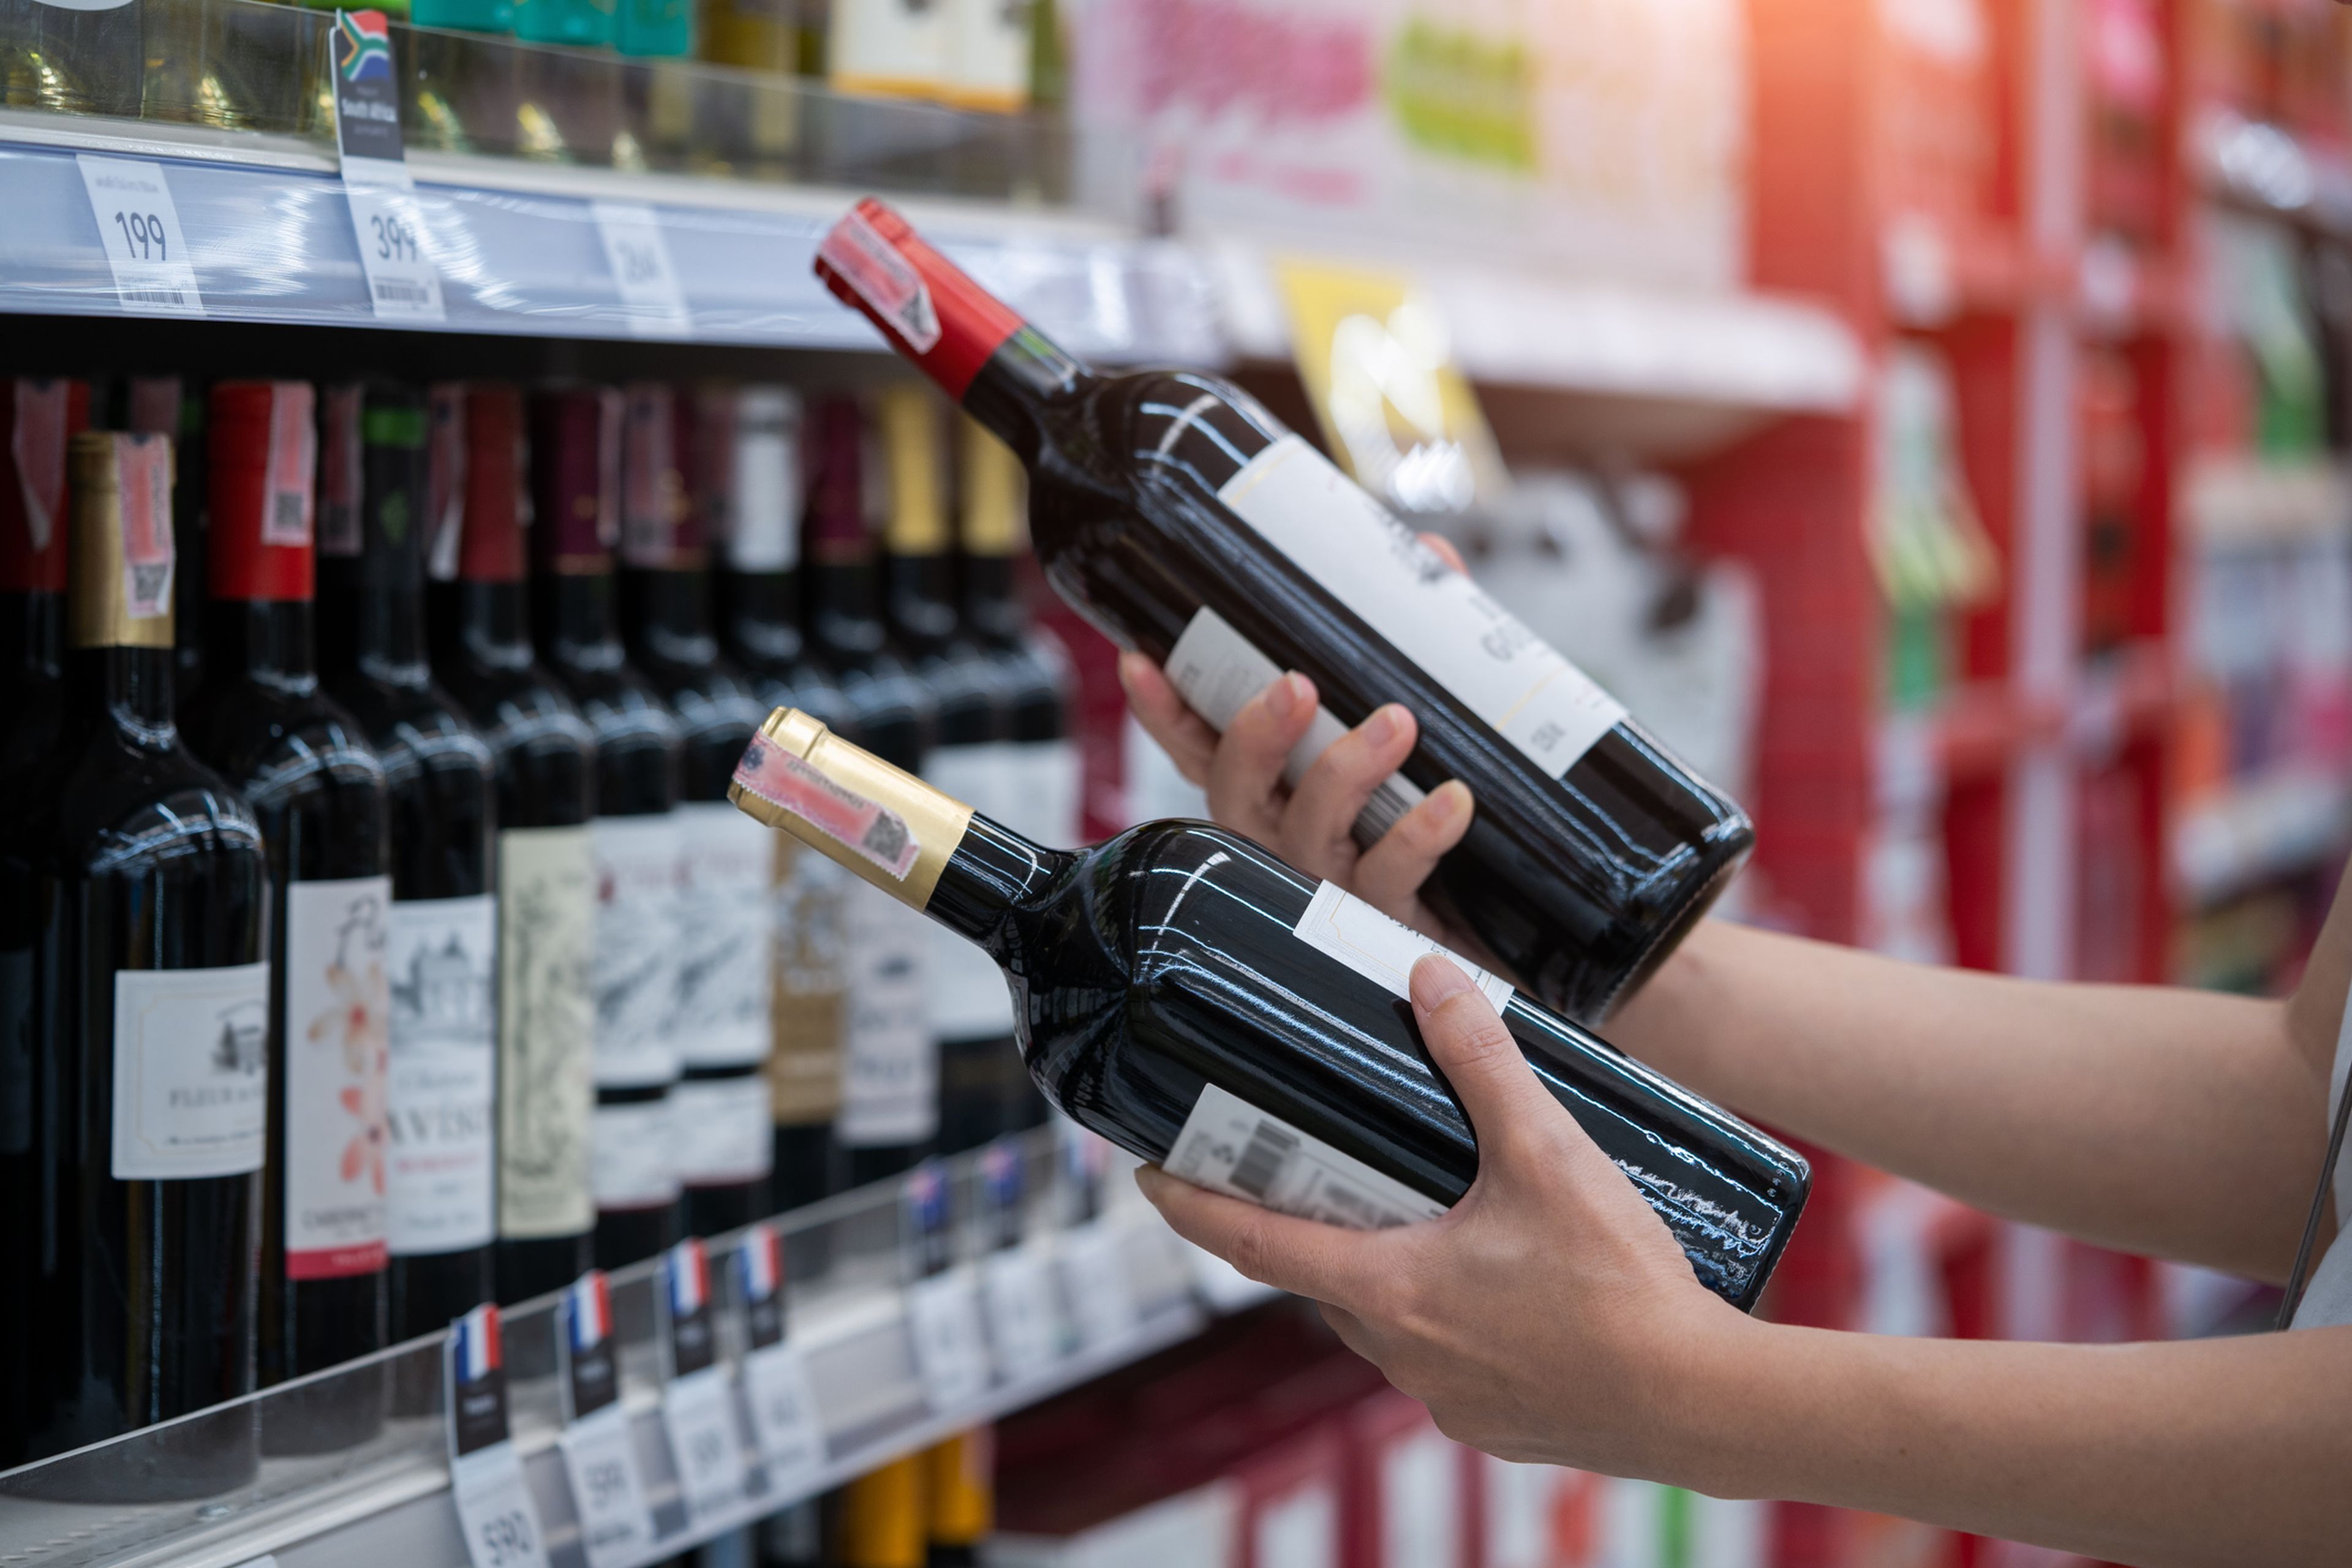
866,829
1379,948
728,931
191,1072
890,1067
1216,670
635,1159
635,978
338,1044
862,258
969,1000
1229,1146
763,524
138,225
724,1132
1434,615
440,1176
547,905
812,1006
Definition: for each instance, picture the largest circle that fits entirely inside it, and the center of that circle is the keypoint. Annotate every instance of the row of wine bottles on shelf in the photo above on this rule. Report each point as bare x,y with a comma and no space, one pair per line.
930,1509
381,913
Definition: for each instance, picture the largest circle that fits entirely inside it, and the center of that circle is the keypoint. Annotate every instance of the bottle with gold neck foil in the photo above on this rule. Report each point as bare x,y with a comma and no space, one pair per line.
128,1211
1186,995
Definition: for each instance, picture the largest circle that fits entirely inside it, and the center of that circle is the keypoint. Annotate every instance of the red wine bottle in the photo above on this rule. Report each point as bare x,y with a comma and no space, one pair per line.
318,791
37,419
635,839
544,758
889,1105
440,1162
1182,518
1189,996
749,481
720,1017
132,1131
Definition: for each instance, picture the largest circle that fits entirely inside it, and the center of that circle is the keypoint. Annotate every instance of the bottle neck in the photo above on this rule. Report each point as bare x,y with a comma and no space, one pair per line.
485,624
1017,390
378,629
992,606
129,687
845,607
579,619
33,631
991,881
667,614
760,612
922,608
273,641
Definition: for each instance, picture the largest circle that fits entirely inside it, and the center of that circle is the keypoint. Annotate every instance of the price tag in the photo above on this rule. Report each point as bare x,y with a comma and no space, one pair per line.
950,1354
1024,1327
784,1417
601,1459
494,1507
700,1410
1094,1277
402,283
140,226
639,258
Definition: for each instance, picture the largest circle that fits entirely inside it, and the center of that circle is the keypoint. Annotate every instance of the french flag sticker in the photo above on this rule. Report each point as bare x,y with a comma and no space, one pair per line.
762,1261
590,1303
689,1279
477,1344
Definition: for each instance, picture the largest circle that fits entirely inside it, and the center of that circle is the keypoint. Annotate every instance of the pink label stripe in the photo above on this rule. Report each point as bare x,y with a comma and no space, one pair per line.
866,829
336,1262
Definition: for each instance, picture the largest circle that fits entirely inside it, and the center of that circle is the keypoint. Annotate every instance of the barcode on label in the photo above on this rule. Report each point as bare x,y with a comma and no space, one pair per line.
285,514
1269,1150
399,290
153,297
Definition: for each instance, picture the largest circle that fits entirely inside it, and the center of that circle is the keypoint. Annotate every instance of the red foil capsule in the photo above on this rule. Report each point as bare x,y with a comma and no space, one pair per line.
37,419
264,448
489,539
576,478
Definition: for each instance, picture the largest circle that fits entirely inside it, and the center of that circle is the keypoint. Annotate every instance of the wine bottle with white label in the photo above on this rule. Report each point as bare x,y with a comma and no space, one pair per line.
440,1164
545,758
720,1014
319,792
1191,998
1183,520
636,838
134,991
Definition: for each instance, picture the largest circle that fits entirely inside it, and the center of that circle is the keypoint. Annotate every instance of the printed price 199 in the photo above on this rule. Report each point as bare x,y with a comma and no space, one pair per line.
506,1538
394,240
143,235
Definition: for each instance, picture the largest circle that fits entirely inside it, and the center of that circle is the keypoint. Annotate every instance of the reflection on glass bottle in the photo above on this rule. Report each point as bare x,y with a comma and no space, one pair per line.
233,64
75,58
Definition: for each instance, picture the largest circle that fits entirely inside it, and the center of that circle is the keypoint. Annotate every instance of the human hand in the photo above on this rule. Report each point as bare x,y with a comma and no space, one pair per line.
1312,825
1549,1317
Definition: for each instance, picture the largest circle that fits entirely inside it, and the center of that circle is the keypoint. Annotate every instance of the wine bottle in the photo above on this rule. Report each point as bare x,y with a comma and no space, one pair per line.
544,758
882,1517
81,57
636,837
971,736
439,1162
132,1130
890,1111
958,1498
721,1015
1191,998
319,792
164,405
37,419
749,480
1182,518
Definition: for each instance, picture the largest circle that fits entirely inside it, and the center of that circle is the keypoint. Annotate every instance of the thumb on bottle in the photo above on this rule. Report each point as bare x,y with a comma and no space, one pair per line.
1508,1107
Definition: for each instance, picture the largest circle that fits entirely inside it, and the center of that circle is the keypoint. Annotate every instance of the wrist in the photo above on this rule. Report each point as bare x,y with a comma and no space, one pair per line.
1729,1412
1666,1023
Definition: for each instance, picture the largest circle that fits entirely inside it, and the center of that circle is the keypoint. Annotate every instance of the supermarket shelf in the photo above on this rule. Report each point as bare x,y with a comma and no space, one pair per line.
388,1501
2257,831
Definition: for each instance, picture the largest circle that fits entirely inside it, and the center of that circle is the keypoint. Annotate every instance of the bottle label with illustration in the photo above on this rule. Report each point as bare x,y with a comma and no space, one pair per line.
1375,566
727,938
338,1044
969,1000
547,906
1377,948
811,996
635,1160
724,1134
191,1072
890,1070
1229,1146
440,1175
635,977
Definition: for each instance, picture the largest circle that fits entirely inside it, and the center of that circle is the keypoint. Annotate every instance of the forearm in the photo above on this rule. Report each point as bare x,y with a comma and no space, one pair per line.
2176,1122
2217,1451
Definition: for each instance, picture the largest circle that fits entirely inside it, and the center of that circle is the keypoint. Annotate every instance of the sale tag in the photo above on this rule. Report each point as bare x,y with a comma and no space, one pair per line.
1024,1328
402,283
784,1419
950,1354
699,1411
601,1459
639,258
494,1507
140,226
1094,1277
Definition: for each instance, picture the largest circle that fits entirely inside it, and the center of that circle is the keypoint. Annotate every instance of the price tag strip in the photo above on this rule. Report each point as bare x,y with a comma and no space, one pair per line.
139,227
1094,1278
402,283
640,256
494,1507
784,1420
698,1403
1025,1323
942,1308
599,1458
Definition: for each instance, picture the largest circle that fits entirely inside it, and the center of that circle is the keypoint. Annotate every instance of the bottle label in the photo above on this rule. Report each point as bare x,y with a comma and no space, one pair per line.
890,1071
142,482
338,1015
191,1072
874,269
547,901
763,531
1340,923
1229,1146
439,1173
1216,670
1376,566
723,1129
287,493
969,1000
988,55
635,1162
811,1012
637,972
726,921
866,829
36,449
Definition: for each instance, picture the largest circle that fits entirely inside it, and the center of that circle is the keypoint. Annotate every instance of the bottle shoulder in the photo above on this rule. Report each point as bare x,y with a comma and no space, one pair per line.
274,743
122,806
